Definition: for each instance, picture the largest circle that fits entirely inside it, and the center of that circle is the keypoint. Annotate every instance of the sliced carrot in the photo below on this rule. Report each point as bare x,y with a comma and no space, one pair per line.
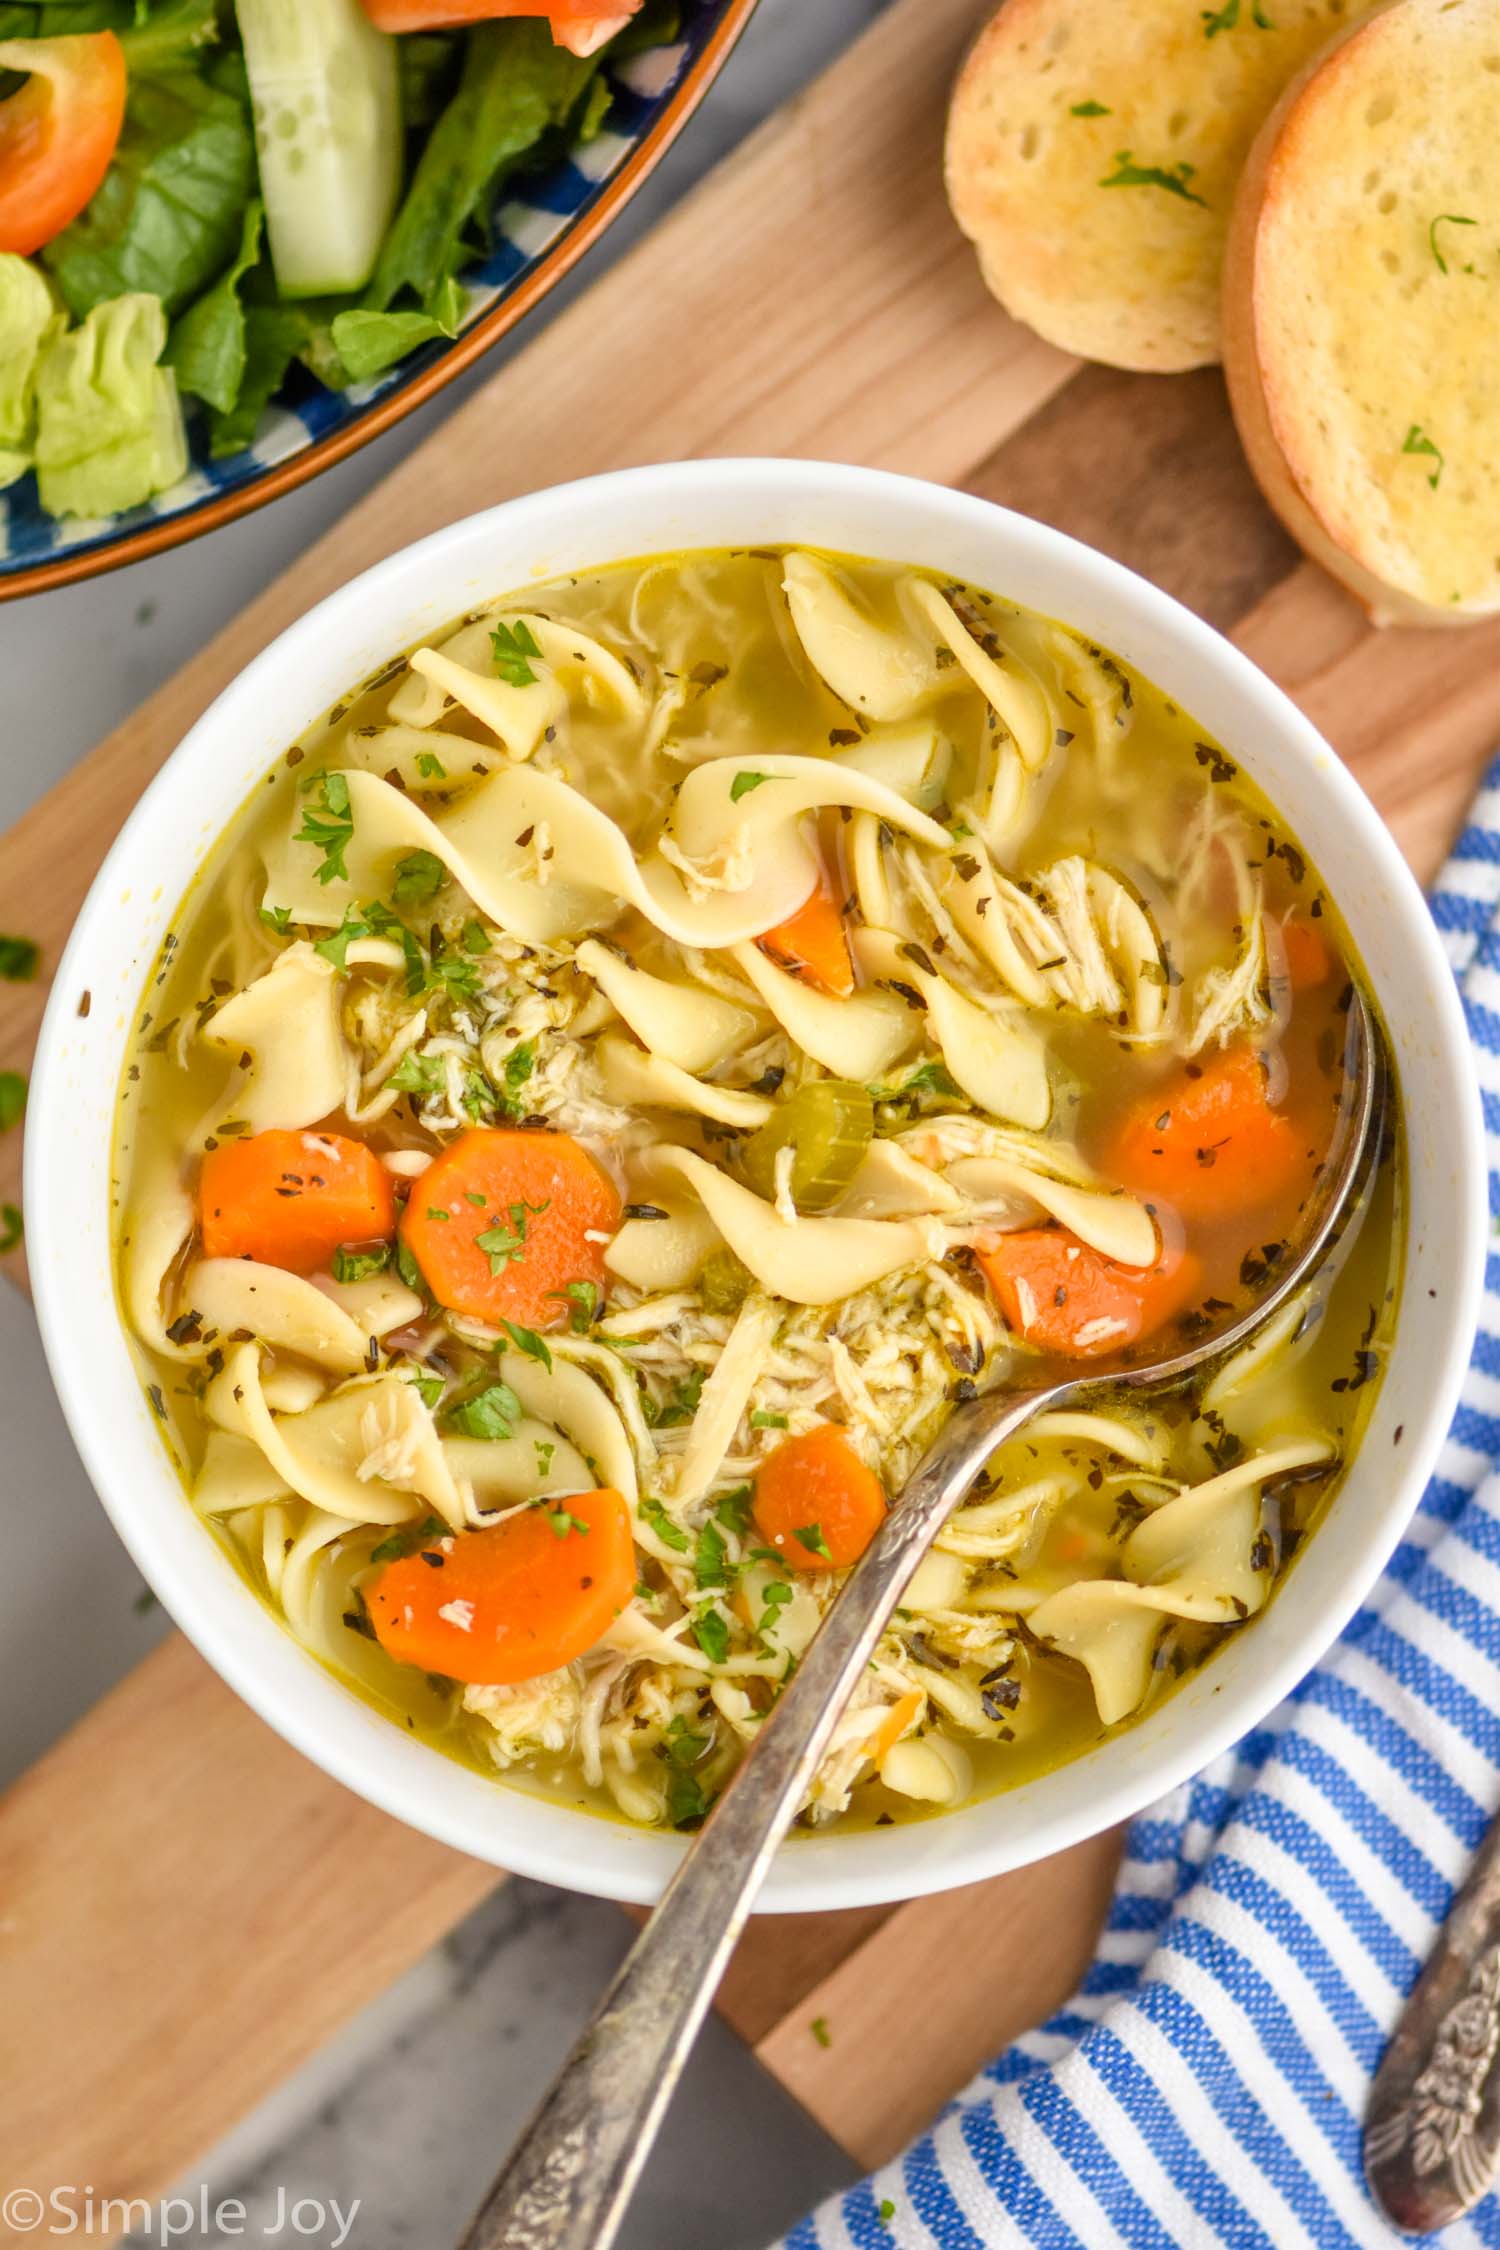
813,943
894,1725
503,1222
1069,1300
582,25
817,1485
514,1599
1308,959
1209,1143
57,132
292,1199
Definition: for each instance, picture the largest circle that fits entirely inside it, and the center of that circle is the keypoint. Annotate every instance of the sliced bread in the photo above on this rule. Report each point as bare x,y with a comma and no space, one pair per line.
1362,310
1093,149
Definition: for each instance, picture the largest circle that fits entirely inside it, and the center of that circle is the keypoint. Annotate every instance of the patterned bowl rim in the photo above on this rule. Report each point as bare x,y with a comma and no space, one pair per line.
385,412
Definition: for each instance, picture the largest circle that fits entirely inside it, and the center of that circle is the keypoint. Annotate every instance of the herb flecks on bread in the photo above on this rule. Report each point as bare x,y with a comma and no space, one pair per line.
1093,150
1362,310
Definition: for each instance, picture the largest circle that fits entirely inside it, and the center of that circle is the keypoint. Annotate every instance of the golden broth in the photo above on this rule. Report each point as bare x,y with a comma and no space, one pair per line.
1129,784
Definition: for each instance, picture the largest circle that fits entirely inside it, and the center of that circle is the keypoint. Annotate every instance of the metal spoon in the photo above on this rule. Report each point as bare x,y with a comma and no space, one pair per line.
569,2178
1432,2129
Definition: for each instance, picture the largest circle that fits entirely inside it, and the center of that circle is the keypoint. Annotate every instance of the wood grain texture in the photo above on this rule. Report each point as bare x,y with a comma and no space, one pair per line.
190,1908
909,2016
886,350
152,1958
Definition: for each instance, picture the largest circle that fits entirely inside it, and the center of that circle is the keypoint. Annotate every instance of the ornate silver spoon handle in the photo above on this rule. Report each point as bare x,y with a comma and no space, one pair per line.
1432,2130
569,2178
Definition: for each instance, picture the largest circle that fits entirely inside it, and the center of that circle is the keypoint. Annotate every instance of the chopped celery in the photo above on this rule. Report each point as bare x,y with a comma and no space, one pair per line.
326,101
29,318
109,425
828,1126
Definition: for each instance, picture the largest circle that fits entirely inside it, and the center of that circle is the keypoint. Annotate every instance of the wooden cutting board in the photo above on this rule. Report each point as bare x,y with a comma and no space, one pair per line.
176,1883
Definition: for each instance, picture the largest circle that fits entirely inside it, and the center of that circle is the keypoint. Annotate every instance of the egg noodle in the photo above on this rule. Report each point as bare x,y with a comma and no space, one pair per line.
916,1002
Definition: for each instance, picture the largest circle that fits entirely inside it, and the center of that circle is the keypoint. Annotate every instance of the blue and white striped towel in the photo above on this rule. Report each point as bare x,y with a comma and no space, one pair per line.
1207,2082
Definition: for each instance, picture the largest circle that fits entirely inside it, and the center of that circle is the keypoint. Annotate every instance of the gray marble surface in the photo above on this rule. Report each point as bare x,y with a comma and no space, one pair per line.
408,2112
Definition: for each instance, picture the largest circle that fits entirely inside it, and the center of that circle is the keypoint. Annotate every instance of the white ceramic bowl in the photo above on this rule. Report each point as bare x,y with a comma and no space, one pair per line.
651,511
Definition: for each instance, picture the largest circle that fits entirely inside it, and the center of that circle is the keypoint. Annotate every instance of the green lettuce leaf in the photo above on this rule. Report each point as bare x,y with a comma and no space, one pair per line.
429,63
169,214
29,319
206,349
155,32
109,425
515,85
367,342
274,335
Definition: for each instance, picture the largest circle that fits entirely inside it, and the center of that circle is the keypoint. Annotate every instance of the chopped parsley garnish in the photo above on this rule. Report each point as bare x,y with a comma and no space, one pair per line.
544,1452
562,1522
407,1539
743,783
669,1533
1416,440
819,2029
1127,173
490,1413
710,1557
761,1420
528,1341
519,1065
686,1804
474,938
419,1074
886,2211
514,646
429,1388
811,1536
452,973
410,1271
12,1098
774,1600
500,1243
19,959
927,1078
355,1265
682,1747
328,825
711,1632
1085,109
1443,219
583,1305
358,922
430,766
733,1509
681,1403
1216,20
11,1228
419,877
278,918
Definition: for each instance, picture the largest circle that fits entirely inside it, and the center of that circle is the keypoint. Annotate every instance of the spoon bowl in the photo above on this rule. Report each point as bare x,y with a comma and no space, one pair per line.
568,2181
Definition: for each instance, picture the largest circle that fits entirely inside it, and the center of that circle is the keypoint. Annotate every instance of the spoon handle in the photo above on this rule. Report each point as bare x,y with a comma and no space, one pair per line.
569,2178
1432,2130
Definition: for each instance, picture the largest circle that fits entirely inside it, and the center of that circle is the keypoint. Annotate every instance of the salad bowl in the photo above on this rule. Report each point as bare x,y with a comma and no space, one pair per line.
546,212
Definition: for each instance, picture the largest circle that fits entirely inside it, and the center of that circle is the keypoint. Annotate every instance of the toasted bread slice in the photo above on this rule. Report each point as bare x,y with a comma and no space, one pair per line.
1117,256
1362,310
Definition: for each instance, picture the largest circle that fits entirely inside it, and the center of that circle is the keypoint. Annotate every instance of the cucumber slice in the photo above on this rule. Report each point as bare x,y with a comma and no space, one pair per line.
327,108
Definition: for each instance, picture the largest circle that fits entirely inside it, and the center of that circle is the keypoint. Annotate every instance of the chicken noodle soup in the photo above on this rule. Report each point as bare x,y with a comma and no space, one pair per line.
641,1060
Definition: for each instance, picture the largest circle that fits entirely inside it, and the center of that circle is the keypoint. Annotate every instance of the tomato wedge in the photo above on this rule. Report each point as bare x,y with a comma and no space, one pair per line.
58,133
582,25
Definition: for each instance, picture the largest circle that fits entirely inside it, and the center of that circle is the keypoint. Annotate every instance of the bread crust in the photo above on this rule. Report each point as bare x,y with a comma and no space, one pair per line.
1307,436
1048,97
